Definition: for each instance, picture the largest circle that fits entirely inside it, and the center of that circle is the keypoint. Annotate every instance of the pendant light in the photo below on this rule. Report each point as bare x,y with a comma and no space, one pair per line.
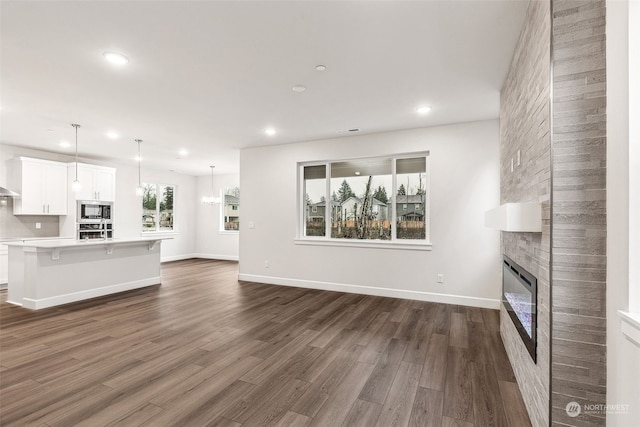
139,188
211,200
76,186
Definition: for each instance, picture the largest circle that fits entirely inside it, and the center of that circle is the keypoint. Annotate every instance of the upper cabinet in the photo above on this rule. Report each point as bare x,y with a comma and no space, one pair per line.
97,182
42,185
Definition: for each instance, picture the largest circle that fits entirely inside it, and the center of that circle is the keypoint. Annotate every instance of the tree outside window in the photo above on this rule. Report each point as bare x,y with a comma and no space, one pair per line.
157,212
231,209
380,198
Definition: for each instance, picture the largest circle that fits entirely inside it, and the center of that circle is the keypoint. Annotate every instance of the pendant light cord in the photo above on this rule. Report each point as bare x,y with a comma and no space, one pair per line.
212,192
76,126
139,161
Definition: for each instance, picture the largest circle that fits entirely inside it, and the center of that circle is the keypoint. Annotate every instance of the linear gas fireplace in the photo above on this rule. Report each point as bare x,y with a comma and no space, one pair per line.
520,296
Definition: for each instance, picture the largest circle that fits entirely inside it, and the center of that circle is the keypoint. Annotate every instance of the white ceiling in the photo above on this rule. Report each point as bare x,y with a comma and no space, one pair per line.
210,76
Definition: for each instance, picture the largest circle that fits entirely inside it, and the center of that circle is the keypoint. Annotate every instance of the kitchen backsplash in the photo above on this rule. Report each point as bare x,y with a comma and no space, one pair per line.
12,226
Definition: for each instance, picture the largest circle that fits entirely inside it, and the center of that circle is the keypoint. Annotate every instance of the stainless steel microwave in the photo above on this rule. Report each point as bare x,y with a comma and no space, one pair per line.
91,211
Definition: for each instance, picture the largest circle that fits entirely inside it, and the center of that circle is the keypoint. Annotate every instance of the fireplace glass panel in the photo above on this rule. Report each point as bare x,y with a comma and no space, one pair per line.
519,296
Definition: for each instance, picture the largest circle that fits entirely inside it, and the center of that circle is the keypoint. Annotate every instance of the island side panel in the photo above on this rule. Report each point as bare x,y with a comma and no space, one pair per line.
83,272
16,271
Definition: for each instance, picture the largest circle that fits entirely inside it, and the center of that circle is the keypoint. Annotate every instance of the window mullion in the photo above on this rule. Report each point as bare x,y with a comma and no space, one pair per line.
328,205
394,203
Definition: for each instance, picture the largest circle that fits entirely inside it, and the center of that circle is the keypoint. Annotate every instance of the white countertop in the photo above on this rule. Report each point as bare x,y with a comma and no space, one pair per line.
70,242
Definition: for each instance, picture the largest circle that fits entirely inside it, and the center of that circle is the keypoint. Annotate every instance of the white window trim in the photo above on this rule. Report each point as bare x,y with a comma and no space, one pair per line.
394,243
363,243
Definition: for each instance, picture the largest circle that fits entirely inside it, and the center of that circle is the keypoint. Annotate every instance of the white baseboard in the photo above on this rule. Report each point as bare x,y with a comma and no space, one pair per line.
178,257
36,304
369,290
198,255
214,256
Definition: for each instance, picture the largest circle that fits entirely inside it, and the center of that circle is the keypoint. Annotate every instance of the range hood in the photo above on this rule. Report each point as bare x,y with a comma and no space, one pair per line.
8,193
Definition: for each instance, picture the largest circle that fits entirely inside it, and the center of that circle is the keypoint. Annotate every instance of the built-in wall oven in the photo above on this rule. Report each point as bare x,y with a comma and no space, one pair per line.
94,220
93,212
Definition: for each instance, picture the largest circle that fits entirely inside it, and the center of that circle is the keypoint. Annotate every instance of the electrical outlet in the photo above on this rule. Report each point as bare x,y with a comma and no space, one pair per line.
440,278
252,224
266,264
38,225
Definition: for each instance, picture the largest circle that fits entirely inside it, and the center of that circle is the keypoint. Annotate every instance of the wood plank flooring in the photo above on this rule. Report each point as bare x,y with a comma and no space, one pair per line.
206,350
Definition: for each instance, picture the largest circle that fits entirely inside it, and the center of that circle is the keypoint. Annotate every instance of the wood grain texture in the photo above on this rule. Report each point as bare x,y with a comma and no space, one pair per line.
427,408
204,349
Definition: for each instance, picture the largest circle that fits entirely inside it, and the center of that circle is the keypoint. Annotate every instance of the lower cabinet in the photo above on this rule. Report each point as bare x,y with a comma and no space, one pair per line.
4,264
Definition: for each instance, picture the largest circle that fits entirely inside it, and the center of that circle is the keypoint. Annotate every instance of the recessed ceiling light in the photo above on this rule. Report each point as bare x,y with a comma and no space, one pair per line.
423,109
64,144
357,173
183,152
321,67
270,131
299,88
112,135
115,58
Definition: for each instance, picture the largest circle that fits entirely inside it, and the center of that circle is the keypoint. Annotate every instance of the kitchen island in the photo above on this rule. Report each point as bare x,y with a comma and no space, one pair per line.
47,273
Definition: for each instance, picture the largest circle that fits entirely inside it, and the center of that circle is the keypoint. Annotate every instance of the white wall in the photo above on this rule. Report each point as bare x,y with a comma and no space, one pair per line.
128,209
623,357
210,241
465,182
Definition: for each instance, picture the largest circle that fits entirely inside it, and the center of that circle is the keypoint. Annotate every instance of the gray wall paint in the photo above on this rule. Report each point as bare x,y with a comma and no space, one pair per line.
578,361
525,126
12,226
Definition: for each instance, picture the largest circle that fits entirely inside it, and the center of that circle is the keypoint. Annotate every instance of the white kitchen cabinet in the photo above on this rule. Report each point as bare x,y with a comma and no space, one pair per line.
97,182
4,264
42,185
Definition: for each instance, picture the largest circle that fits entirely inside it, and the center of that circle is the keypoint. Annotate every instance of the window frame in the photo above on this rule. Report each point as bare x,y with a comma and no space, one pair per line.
157,229
394,243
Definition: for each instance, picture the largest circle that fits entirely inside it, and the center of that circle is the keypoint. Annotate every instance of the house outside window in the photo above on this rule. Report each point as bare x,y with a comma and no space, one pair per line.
366,197
230,209
157,207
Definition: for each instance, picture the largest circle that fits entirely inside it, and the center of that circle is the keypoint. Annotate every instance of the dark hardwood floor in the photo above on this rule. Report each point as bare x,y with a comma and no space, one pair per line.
205,350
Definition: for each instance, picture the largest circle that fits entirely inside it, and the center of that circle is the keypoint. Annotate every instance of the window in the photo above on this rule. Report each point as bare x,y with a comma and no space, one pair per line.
365,197
231,209
157,207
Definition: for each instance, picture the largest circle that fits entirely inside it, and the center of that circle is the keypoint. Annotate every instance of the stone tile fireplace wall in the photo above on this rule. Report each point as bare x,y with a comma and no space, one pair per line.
563,166
578,327
525,126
